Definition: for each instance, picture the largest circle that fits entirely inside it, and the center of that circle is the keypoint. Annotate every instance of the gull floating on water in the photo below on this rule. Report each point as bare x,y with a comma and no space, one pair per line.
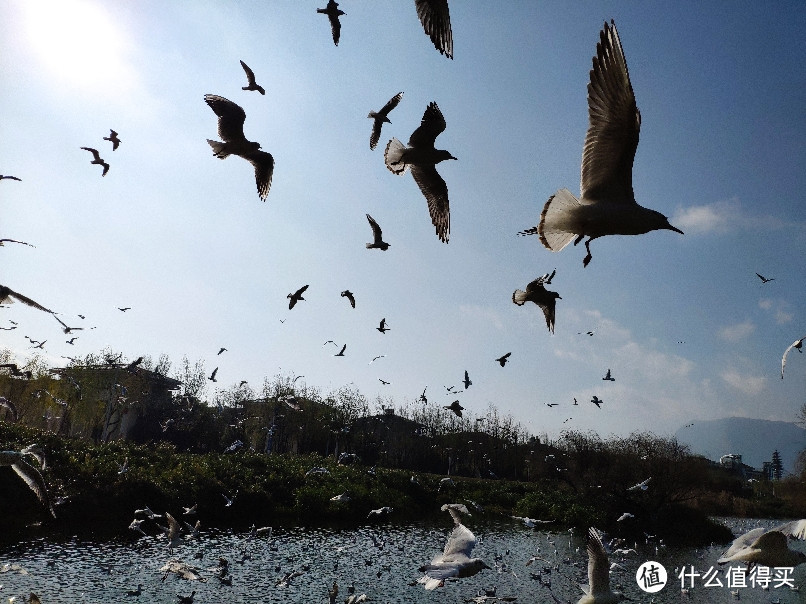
797,344
455,560
422,157
231,118
607,203
380,117
436,20
537,293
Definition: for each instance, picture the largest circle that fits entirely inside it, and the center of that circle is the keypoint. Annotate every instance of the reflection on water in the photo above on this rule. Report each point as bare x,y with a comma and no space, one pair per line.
380,561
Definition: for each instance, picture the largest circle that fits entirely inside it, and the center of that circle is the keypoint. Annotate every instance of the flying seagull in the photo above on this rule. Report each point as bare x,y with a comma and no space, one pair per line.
767,547
421,156
607,204
764,279
598,589
4,241
382,327
222,349
250,76
455,407
641,486
537,293
113,138
503,360
97,159
8,295
378,242
6,177
230,129
798,344
349,295
467,381
608,377
455,560
212,375
296,296
333,13
436,20
29,474
340,353
124,308
597,401
379,117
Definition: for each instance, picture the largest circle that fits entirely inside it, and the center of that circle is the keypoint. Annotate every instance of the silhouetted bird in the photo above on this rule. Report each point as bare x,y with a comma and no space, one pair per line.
503,360
4,241
378,242
296,296
222,349
6,177
380,117
798,345
382,327
607,204
340,353
350,296
333,13
764,279
597,401
231,118
113,138
608,377
436,20
421,156
537,293
8,295
467,381
212,375
250,76
455,407
97,159
124,309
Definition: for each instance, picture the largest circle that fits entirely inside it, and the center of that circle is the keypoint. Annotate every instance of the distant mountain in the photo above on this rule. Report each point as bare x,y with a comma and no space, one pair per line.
753,439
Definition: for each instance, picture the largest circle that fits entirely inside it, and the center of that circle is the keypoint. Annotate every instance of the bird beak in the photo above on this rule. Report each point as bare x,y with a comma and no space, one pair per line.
675,229
452,157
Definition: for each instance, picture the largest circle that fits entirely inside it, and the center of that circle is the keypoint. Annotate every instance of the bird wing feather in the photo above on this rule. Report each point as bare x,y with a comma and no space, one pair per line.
436,20
598,566
231,117
431,126
435,191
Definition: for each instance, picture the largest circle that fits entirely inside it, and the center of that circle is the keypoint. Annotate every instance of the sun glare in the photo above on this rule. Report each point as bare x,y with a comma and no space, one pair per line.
78,41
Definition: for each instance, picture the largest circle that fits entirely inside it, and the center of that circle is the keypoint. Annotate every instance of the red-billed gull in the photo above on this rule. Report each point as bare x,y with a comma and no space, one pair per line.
381,116
537,293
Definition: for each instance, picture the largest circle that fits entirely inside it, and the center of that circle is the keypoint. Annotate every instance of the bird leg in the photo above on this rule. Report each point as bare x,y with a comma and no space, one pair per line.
587,258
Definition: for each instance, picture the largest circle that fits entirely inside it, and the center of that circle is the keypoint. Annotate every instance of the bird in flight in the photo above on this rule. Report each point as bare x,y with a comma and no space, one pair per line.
230,129
72,340
250,76
97,159
423,399
641,486
598,587
31,476
380,356
384,382
607,204
537,293
552,404
421,157
503,360
8,295
212,375
124,309
350,296
378,242
382,327
455,407
467,381
608,377
597,401
379,117
4,241
436,20
765,279
222,349
113,138
340,353
296,296
7,177
333,13
798,345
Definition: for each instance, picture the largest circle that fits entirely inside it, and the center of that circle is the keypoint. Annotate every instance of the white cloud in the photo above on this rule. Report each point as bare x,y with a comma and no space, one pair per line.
765,303
747,384
715,217
736,333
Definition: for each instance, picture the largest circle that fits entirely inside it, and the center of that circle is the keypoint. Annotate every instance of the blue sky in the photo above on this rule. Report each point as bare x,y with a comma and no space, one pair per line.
686,327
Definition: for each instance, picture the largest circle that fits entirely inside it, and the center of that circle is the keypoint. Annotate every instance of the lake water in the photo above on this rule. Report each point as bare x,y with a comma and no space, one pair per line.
380,560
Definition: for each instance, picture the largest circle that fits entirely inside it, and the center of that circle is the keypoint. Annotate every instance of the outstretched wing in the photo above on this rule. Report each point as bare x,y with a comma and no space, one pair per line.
436,20
435,191
264,170
230,117
432,124
614,124
376,228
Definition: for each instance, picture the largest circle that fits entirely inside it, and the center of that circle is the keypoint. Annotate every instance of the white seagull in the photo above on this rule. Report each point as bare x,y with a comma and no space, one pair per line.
598,589
31,476
607,203
767,547
798,344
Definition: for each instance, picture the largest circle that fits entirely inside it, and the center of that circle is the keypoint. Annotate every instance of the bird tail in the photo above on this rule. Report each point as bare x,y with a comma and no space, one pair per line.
553,229
393,156
519,297
218,149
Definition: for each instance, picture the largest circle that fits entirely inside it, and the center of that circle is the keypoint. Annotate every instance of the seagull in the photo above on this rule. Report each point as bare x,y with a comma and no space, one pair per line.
340,353
380,511
423,398
222,349
797,344
349,295
608,377
229,501
607,204
146,511
124,308
250,76
503,360
767,547
124,467
552,404
625,516
598,589
384,382
455,560
537,293
6,295
436,20
4,402
467,381
212,375
97,159
31,476
333,13
72,340
345,497
597,401
421,156
380,117
380,356
455,407
764,279
230,129
378,242
643,485
4,241
6,177
113,138
296,296
382,327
